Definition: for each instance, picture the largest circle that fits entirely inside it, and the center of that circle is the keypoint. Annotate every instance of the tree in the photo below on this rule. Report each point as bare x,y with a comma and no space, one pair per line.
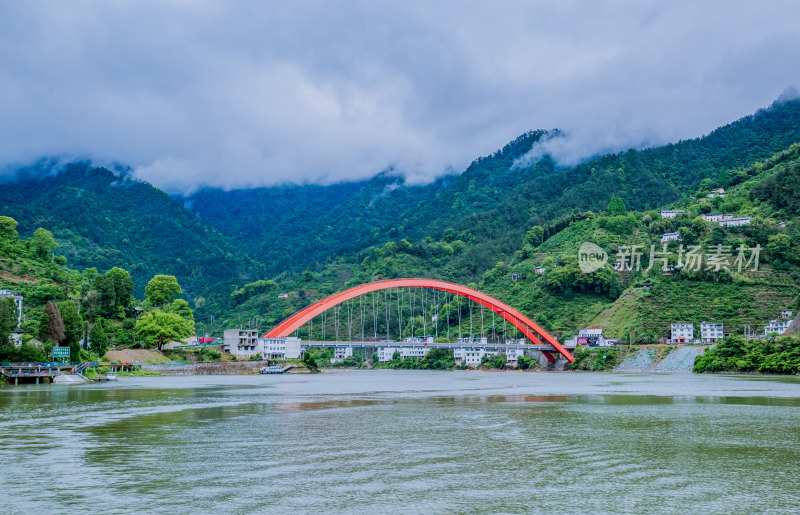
42,243
53,328
8,229
534,236
115,291
162,289
616,206
8,318
73,325
98,340
181,307
159,327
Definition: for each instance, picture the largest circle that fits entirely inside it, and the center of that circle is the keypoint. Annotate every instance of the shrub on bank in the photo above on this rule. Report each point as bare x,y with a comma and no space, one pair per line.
770,355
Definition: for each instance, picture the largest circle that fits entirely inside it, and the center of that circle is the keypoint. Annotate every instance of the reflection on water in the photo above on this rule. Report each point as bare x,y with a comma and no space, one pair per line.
404,441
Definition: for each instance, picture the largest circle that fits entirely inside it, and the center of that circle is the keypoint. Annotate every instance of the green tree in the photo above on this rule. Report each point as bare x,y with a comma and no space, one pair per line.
616,206
181,307
159,327
98,340
8,229
115,292
162,289
534,236
42,243
8,318
73,325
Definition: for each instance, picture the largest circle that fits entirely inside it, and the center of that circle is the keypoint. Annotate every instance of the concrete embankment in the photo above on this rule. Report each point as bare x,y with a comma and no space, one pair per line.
678,360
210,368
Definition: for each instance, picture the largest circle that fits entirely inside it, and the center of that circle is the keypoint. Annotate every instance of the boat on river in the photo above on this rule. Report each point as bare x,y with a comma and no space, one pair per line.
274,369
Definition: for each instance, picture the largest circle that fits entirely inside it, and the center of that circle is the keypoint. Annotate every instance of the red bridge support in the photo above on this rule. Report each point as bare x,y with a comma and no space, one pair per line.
528,327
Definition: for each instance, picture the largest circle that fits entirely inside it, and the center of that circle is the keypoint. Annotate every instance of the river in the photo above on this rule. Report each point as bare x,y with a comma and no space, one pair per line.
404,442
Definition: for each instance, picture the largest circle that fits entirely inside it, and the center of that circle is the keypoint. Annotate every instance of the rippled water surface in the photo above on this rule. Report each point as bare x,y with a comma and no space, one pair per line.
404,441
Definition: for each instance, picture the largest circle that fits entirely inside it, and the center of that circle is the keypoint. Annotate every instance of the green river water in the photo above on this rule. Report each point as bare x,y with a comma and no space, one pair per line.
404,442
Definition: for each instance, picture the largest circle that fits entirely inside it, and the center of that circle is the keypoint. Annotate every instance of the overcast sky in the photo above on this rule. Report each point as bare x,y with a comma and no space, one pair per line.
235,94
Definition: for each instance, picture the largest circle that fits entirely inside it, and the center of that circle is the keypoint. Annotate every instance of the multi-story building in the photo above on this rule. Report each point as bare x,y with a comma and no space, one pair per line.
670,236
591,336
240,342
513,355
735,222
711,331
671,213
713,217
777,327
472,339
279,348
682,333
386,353
472,357
341,352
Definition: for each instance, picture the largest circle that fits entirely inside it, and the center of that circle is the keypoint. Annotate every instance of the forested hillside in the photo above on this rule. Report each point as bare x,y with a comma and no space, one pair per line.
493,201
104,219
469,228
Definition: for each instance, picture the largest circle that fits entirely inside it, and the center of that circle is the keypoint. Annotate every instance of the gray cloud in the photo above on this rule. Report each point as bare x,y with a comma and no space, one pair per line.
237,94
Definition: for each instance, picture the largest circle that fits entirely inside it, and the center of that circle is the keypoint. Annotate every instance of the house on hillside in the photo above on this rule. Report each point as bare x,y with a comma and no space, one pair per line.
539,270
670,236
682,333
716,192
777,327
710,332
591,336
671,213
283,295
786,313
735,222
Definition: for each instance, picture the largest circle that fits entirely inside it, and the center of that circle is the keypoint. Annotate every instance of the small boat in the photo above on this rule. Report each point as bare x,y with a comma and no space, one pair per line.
274,369
111,376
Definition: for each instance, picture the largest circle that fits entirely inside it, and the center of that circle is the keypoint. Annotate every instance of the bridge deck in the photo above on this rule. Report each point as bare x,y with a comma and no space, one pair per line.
374,344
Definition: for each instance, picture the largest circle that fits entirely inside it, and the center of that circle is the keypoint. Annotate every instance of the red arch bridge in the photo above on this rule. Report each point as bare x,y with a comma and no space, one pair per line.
539,338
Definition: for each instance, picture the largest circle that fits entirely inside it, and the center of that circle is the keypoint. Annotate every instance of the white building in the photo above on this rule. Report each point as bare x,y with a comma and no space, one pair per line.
591,336
419,339
682,333
385,353
786,313
513,355
240,342
670,236
777,327
342,352
16,335
671,213
472,357
417,351
469,340
735,222
713,217
279,348
711,331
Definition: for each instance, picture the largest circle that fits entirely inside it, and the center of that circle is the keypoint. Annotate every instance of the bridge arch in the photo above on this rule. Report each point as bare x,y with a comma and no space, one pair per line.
528,327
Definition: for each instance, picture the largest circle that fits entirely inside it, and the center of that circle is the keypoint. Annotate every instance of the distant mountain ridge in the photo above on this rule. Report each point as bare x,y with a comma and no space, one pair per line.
215,241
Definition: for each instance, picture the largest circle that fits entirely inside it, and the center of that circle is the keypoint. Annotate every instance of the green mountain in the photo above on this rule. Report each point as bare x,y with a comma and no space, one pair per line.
104,219
225,246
